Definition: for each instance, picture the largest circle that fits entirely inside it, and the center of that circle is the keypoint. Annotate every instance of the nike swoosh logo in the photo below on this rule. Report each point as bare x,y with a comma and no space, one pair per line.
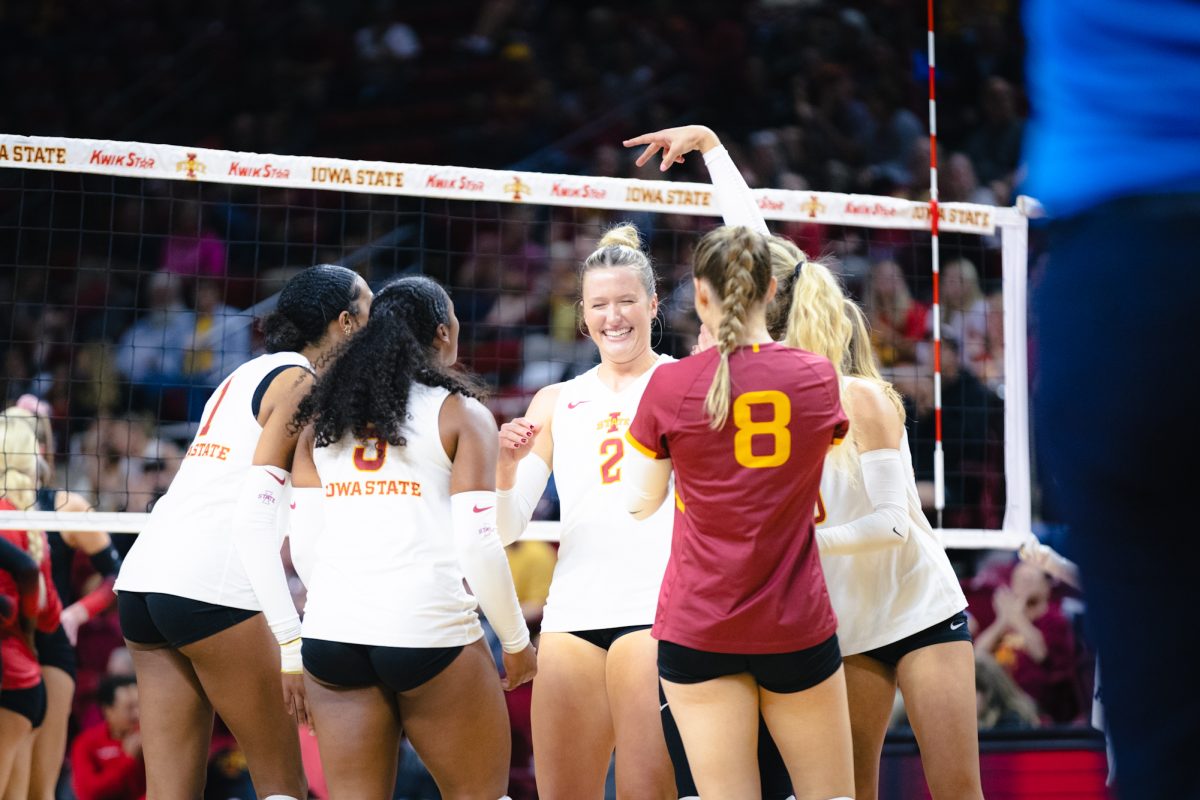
276,477
577,403
293,506
898,533
479,510
664,705
954,626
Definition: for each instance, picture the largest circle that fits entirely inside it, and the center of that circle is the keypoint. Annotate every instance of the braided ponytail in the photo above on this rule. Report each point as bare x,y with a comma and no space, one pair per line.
737,264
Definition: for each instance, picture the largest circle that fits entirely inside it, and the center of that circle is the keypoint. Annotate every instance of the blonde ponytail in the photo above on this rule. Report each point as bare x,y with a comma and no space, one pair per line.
817,321
18,473
737,264
823,320
18,458
786,260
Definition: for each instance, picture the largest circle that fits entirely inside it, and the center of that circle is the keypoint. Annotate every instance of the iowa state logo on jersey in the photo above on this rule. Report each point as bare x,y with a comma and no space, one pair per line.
613,422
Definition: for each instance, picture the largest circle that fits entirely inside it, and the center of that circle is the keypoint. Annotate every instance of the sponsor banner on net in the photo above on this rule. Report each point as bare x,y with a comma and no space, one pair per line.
356,175
866,211
467,183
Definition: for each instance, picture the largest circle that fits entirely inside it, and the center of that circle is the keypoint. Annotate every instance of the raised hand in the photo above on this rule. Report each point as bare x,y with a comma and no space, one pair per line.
675,144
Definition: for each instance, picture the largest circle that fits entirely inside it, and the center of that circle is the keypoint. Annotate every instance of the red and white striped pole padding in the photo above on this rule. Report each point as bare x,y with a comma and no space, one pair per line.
939,460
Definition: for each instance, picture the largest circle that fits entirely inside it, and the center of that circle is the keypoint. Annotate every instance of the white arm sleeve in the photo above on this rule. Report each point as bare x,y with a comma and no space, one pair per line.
736,201
887,526
304,526
515,506
256,536
481,556
647,481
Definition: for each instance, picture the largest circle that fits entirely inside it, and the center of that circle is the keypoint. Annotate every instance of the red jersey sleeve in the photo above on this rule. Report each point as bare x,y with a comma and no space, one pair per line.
837,415
841,425
647,432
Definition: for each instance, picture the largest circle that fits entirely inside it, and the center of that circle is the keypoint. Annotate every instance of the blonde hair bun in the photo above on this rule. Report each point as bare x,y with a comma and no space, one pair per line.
623,235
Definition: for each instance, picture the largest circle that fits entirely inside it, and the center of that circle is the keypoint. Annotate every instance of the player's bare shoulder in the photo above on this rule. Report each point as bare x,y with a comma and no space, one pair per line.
460,412
873,408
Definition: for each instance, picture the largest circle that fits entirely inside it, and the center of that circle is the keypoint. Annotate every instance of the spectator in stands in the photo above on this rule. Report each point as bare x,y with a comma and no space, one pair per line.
219,344
959,184
387,38
151,353
150,473
1033,641
898,322
964,311
995,148
972,417
121,466
193,248
106,759
221,340
1002,704
990,365
898,131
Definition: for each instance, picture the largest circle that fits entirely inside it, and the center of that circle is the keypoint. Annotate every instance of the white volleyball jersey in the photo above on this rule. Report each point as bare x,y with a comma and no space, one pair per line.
386,571
610,566
883,596
187,546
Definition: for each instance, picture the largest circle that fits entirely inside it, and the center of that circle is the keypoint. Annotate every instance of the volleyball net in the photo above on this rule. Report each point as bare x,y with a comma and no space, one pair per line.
132,275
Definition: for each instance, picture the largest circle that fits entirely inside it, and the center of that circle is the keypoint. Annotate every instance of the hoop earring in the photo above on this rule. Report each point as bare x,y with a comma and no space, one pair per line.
662,325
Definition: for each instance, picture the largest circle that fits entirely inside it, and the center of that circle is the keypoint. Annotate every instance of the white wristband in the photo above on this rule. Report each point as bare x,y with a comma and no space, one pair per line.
290,662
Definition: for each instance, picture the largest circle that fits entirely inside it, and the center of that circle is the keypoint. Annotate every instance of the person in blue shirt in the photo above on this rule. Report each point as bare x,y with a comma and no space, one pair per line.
1113,154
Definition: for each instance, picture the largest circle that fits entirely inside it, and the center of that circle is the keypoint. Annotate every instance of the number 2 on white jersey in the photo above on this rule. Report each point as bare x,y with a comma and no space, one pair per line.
610,472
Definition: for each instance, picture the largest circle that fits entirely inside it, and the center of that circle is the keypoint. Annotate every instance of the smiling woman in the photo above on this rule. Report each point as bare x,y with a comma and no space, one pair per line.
597,687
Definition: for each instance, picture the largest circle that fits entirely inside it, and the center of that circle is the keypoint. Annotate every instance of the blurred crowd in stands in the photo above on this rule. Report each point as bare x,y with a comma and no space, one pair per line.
123,303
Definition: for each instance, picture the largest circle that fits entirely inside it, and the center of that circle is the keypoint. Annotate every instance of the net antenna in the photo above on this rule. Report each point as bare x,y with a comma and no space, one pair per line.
446,201
939,455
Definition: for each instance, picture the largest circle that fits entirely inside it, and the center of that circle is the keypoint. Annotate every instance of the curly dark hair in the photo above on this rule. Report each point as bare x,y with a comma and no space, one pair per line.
365,391
308,303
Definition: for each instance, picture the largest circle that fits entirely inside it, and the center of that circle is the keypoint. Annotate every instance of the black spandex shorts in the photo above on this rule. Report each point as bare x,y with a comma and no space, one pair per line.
29,703
153,618
783,673
954,629
604,637
400,669
54,650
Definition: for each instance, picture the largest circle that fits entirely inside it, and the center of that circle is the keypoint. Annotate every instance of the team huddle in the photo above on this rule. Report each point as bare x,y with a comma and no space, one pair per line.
744,577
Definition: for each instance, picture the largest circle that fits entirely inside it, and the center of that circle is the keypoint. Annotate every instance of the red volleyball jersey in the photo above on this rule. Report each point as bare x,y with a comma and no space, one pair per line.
744,574
20,663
